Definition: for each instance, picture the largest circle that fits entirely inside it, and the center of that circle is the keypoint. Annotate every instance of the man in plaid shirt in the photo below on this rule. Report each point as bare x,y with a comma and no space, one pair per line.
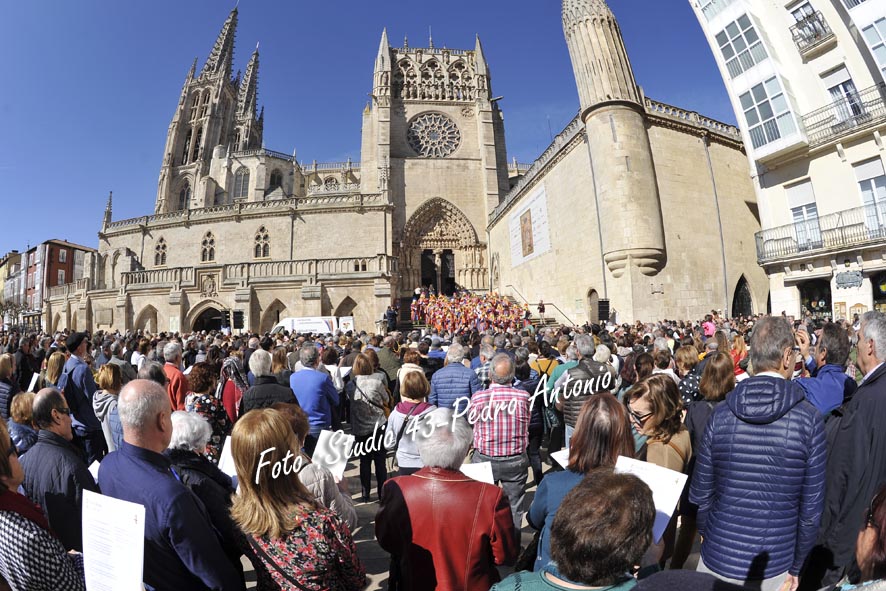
486,355
501,432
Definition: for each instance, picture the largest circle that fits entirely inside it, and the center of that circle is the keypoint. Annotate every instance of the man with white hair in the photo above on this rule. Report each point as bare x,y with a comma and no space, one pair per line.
454,381
856,464
501,432
182,550
267,390
177,383
423,522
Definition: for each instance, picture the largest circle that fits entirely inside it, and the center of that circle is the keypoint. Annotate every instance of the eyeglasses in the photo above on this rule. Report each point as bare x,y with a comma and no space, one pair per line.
64,411
869,517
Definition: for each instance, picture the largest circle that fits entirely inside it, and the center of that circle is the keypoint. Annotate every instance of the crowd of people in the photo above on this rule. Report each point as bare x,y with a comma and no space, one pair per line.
779,425
467,311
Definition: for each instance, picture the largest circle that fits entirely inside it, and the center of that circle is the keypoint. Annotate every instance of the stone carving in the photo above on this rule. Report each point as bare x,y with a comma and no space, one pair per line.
433,135
439,224
849,279
208,289
467,112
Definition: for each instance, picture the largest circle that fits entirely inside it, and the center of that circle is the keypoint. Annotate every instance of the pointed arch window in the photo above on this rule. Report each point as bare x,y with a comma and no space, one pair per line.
184,196
160,253
187,147
276,180
207,248
194,105
205,104
262,244
195,153
241,183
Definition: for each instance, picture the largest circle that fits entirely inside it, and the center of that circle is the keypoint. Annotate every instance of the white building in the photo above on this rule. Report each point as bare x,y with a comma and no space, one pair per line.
806,80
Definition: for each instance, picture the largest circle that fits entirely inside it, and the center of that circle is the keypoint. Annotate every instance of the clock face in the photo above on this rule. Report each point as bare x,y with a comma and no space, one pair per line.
433,135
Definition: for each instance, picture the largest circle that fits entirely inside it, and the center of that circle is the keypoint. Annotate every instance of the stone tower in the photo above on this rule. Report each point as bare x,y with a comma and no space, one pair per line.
433,142
632,232
213,110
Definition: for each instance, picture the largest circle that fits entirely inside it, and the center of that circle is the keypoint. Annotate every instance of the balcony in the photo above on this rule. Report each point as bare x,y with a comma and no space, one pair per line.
812,33
857,227
846,116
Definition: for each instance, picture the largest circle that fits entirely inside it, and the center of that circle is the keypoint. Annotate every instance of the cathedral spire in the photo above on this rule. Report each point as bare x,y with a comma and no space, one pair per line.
481,59
108,210
222,55
384,52
430,38
600,61
247,98
188,79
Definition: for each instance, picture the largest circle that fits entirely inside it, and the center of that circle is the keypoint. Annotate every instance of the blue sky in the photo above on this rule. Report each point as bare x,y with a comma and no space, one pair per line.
90,86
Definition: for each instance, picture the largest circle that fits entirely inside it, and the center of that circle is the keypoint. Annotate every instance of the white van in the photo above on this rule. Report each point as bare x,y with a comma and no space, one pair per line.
314,324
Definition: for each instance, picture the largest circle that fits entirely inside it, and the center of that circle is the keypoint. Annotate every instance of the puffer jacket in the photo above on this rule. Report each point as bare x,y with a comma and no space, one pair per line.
55,478
8,389
585,379
451,383
266,392
23,436
368,397
759,480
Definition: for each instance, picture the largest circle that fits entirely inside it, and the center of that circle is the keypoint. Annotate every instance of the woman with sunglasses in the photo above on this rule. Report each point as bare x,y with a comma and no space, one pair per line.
657,412
31,556
870,549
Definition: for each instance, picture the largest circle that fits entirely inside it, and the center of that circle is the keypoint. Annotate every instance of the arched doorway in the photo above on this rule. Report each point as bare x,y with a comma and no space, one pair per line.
815,298
272,316
147,320
593,306
742,303
346,307
440,248
208,319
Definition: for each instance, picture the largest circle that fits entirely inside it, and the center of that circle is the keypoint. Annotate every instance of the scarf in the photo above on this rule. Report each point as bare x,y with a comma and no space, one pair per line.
233,370
16,503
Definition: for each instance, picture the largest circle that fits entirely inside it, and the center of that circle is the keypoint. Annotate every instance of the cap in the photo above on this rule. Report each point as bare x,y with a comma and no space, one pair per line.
74,341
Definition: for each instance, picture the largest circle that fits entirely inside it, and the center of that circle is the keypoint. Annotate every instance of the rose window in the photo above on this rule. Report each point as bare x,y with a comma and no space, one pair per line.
433,135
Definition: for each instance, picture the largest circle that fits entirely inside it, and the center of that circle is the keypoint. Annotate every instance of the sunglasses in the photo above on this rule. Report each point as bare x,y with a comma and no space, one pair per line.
640,418
869,516
64,411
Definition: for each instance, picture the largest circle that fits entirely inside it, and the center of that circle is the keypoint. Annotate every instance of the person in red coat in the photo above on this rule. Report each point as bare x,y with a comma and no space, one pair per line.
177,385
443,529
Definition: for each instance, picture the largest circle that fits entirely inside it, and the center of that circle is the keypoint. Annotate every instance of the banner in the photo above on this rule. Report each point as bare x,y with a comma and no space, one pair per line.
528,227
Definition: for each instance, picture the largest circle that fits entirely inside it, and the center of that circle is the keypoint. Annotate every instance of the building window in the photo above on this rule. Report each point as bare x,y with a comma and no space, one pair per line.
741,46
241,184
872,183
875,35
262,244
195,153
804,211
208,248
160,253
61,277
847,103
711,8
63,256
187,147
194,104
766,111
276,180
184,196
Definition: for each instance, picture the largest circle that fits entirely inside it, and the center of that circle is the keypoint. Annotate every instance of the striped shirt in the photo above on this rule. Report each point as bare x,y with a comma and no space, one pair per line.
501,421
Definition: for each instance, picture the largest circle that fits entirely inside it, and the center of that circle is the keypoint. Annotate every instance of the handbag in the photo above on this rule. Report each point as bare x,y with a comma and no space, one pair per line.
384,407
526,560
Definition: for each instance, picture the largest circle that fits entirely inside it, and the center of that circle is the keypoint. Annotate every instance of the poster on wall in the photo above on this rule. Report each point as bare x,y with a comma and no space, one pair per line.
529,231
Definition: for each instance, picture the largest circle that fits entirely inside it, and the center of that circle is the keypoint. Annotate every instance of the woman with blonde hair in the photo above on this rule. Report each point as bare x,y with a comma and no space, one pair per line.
8,386
104,401
717,380
739,353
21,422
301,544
54,368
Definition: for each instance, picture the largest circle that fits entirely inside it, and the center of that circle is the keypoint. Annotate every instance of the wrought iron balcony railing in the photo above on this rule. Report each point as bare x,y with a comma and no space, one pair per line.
850,113
855,227
811,32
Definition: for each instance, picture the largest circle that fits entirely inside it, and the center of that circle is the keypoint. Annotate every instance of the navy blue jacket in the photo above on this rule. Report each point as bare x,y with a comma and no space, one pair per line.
759,480
79,387
8,390
182,550
23,436
451,383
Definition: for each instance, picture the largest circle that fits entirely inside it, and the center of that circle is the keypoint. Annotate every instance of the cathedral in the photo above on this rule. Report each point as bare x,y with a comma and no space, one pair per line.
637,204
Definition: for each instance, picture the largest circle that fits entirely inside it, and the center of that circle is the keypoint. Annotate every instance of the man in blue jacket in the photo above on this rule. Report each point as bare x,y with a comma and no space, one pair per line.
829,385
316,394
454,381
760,472
78,386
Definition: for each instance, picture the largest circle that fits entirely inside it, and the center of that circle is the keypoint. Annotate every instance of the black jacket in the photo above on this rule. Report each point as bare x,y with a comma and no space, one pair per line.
214,488
24,369
55,478
856,466
265,393
587,378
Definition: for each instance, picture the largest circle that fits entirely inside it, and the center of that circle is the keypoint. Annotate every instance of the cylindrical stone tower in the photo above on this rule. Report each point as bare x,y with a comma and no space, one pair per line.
613,114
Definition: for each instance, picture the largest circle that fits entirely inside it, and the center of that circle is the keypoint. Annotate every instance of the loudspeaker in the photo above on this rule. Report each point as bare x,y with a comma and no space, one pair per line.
603,308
